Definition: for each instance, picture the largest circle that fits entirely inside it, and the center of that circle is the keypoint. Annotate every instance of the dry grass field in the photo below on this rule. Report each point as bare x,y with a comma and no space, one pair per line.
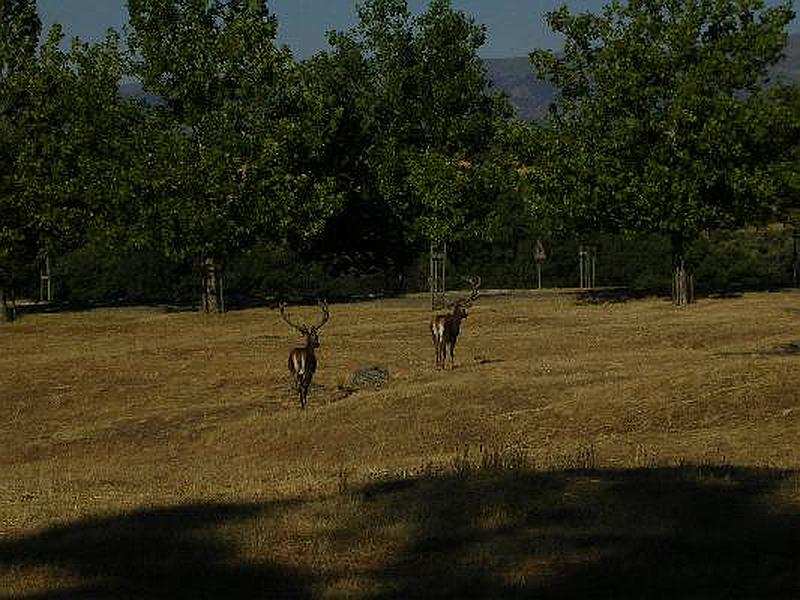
579,449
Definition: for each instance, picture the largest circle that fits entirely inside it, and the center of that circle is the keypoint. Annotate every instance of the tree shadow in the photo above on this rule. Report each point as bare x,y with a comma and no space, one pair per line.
676,537
166,553
690,532
685,532
617,295
46,308
787,349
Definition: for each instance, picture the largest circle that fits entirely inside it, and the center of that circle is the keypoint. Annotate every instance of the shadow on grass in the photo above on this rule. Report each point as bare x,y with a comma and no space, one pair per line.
788,349
232,304
688,532
617,295
154,554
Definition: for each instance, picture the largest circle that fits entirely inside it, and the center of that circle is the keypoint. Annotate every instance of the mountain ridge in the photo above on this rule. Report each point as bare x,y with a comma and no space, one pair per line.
531,97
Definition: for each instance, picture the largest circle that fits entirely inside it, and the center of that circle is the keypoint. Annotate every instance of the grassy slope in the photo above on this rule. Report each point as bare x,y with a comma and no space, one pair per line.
575,448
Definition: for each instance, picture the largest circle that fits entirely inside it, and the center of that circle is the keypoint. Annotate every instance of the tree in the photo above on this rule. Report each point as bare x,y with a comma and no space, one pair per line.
56,109
230,146
661,119
414,97
19,33
20,28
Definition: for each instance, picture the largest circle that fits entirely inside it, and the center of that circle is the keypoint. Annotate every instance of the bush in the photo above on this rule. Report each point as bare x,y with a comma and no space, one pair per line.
722,261
98,275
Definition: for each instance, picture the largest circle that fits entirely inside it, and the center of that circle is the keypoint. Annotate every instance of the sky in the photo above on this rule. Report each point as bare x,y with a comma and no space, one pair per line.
515,27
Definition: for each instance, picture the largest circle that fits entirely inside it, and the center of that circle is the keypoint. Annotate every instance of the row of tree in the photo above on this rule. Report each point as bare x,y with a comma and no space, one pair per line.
389,141
666,123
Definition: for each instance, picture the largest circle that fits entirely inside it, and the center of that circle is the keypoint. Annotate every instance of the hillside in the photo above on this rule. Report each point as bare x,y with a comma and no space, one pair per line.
531,97
133,89
789,69
514,76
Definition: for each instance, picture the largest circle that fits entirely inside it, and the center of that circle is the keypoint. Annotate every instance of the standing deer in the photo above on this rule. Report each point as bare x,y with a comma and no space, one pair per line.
445,328
302,361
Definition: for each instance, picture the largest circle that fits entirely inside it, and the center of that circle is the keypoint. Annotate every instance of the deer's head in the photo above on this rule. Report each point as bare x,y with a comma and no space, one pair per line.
460,306
310,332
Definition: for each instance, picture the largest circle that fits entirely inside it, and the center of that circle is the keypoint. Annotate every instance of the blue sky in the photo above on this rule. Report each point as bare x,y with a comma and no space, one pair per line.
515,27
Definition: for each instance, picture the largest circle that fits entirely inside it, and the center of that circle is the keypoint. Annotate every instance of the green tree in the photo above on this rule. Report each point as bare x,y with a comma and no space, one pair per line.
56,108
439,185
414,97
20,28
19,34
661,120
230,147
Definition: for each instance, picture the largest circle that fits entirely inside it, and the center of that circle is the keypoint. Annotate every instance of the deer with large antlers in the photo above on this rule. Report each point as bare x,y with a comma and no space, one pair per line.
303,361
445,328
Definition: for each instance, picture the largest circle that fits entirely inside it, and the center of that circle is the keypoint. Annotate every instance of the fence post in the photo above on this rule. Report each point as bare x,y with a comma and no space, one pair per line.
437,274
45,281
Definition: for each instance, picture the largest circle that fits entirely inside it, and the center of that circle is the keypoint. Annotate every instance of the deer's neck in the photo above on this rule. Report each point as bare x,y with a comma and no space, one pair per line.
454,322
457,317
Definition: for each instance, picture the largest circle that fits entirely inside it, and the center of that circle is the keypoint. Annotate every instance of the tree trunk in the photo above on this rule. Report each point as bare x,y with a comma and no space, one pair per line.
796,256
682,278
212,286
8,305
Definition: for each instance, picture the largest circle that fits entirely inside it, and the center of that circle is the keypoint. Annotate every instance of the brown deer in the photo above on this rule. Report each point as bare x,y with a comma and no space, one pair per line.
445,328
303,361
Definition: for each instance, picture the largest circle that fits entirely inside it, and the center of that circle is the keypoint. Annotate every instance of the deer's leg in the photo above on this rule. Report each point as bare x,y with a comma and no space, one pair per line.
299,379
307,376
452,350
298,387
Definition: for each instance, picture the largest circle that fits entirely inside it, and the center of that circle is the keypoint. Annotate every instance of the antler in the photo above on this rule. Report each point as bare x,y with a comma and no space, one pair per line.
301,328
475,282
326,314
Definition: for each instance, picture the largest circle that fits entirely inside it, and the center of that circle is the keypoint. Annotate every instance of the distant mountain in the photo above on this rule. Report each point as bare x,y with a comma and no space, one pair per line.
515,77
133,89
531,97
789,68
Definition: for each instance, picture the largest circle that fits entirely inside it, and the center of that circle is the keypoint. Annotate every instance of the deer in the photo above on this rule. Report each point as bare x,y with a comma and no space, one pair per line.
303,361
445,328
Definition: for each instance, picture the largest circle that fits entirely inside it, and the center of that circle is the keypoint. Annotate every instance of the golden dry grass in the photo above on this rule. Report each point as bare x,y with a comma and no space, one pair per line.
148,454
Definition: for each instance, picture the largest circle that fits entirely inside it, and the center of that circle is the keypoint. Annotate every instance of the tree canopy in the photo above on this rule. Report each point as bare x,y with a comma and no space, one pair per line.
57,136
663,123
391,140
235,136
417,111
